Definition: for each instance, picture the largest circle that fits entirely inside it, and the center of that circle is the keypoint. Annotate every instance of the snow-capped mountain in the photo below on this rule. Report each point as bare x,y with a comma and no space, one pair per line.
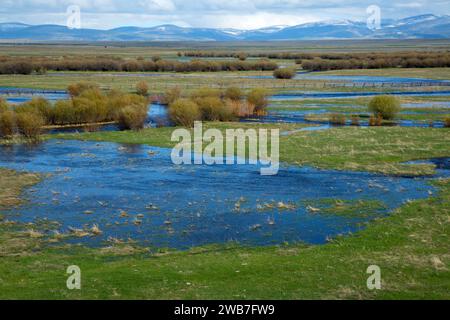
419,27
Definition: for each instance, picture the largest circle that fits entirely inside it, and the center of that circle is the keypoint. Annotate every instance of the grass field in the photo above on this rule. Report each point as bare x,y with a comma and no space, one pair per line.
411,247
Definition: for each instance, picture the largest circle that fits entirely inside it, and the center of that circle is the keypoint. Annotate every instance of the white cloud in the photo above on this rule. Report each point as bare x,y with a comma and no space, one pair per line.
245,14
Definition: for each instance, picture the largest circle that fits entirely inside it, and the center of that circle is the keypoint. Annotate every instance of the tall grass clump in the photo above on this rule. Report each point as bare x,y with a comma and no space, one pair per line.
387,107
142,88
337,119
171,95
284,73
3,105
132,117
7,124
184,112
39,106
234,93
259,98
206,93
240,108
447,122
30,125
214,109
77,89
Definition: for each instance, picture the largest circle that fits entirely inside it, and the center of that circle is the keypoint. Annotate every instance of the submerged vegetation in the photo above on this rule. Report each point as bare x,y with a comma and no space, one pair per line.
411,247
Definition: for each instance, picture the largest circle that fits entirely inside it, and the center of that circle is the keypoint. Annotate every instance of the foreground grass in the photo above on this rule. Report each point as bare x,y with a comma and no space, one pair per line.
11,184
380,150
411,247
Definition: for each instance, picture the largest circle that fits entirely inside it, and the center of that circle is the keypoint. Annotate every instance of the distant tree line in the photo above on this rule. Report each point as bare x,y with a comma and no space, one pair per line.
339,61
14,65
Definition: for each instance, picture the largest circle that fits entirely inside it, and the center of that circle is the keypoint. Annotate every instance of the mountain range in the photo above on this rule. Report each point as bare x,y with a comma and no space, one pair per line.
427,26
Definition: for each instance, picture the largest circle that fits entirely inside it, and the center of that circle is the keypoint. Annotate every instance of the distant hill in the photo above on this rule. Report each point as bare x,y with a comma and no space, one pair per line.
419,27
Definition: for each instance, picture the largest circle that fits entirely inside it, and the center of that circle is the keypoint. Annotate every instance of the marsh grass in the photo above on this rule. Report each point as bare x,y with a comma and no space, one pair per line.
337,119
8,124
410,244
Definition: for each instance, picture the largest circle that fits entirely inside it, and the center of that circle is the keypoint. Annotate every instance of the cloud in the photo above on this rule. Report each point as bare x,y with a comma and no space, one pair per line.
246,14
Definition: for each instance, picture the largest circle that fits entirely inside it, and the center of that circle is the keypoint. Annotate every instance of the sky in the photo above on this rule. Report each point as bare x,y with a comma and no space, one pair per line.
239,14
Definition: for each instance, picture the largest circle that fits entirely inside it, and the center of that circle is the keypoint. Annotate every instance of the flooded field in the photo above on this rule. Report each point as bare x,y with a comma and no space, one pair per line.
135,192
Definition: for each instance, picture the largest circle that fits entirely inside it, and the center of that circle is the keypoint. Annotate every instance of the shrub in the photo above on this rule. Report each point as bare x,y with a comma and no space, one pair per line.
242,56
77,88
210,108
132,117
447,122
7,124
355,120
285,73
205,93
91,106
214,109
240,108
184,112
156,58
39,106
337,119
64,113
142,88
119,100
30,125
258,98
3,105
387,107
233,93
171,96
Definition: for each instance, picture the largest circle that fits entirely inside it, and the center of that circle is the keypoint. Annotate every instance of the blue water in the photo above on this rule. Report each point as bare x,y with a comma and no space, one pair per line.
327,95
369,79
299,116
185,206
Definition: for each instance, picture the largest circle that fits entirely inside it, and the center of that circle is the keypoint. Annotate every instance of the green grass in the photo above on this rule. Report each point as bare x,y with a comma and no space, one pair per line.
425,73
411,247
11,185
382,149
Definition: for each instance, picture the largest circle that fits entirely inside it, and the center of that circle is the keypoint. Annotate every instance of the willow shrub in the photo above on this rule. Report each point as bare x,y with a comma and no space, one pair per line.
285,73
142,88
184,112
259,98
7,124
206,93
3,105
447,122
132,117
77,89
30,125
171,95
214,109
39,106
234,93
386,107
